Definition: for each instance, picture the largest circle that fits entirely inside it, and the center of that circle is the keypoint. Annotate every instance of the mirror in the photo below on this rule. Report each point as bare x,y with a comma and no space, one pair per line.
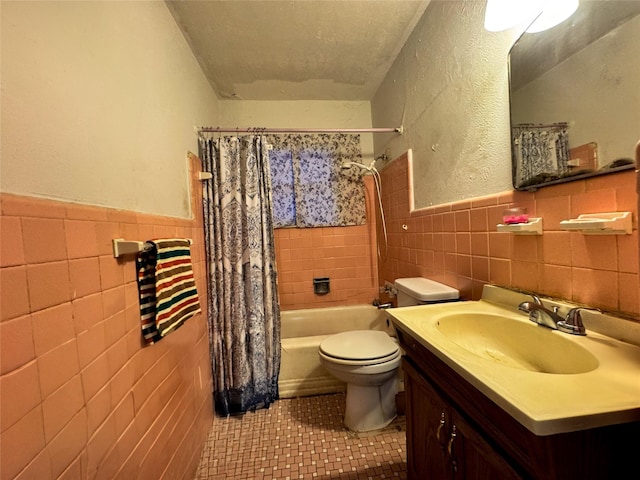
575,96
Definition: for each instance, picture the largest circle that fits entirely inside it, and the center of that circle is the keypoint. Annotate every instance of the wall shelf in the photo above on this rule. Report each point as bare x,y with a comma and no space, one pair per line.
614,223
532,227
122,247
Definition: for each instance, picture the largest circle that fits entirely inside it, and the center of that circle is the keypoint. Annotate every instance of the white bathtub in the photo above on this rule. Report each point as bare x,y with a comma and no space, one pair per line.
301,373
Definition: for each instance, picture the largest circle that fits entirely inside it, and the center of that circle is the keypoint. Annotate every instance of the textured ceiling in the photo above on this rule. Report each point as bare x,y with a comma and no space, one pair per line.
298,49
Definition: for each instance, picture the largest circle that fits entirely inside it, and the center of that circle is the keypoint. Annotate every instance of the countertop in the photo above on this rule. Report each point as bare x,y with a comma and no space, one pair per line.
544,403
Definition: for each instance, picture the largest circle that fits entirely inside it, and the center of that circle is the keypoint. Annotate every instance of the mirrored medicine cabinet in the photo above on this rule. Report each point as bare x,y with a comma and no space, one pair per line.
575,96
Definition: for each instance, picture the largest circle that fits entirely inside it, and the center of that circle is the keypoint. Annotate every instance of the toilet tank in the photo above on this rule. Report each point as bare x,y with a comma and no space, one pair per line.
418,290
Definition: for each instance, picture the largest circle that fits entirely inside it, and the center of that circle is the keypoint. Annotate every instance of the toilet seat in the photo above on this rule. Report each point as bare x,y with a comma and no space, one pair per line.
360,363
360,347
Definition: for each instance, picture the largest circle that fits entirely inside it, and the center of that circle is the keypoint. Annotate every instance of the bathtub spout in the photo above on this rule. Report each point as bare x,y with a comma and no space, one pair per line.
376,303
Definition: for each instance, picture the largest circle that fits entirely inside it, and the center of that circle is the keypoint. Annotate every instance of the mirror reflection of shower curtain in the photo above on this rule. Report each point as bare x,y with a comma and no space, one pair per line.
244,313
540,153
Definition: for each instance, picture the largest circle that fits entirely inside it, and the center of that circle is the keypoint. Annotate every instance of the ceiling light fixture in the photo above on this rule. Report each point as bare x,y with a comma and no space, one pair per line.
540,14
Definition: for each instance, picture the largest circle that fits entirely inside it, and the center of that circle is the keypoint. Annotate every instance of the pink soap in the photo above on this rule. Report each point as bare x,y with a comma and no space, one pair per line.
515,215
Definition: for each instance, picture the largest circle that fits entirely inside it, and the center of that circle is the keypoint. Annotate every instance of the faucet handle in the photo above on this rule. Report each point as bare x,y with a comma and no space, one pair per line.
573,321
576,311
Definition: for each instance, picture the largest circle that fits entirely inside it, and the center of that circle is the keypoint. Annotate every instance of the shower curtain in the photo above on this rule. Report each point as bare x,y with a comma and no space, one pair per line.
310,186
244,314
540,153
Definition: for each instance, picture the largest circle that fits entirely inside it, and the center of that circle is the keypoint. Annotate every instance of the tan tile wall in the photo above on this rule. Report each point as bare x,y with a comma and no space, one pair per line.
80,396
347,255
458,243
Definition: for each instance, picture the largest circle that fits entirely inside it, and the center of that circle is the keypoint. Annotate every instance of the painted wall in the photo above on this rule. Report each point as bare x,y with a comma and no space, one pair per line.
99,101
301,114
449,89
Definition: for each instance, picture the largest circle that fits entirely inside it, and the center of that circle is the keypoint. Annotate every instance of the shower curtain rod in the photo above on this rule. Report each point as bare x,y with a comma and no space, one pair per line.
542,125
297,130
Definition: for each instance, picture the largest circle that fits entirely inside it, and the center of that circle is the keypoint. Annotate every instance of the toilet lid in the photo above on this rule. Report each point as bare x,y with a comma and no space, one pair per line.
359,345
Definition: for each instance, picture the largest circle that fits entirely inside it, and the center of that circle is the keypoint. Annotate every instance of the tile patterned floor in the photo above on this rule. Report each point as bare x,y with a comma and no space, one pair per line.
301,438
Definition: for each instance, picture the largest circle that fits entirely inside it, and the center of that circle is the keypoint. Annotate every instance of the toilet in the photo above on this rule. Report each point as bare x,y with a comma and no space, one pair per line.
368,361
422,291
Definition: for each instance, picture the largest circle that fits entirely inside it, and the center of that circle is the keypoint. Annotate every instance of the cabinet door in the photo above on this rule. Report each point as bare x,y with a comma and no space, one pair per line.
472,458
428,426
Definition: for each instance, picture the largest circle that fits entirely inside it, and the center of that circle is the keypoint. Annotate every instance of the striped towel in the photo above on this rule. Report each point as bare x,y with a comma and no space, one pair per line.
167,289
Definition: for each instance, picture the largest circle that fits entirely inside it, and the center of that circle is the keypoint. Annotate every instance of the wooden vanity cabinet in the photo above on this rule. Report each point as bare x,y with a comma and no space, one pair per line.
440,443
427,416
456,432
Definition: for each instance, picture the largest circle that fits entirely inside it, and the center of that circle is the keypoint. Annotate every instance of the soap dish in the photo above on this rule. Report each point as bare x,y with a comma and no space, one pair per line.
614,223
532,227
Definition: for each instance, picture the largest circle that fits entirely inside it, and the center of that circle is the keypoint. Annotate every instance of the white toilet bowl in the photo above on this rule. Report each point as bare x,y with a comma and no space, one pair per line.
367,361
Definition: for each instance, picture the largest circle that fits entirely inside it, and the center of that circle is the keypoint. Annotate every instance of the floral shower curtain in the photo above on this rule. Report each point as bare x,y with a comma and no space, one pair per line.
540,153
310,187
244,314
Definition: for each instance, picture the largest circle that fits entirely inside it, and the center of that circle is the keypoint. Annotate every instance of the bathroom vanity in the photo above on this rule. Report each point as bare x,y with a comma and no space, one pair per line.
477,412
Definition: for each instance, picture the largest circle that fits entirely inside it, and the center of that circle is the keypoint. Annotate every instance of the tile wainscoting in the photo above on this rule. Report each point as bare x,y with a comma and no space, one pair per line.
81,397
459,245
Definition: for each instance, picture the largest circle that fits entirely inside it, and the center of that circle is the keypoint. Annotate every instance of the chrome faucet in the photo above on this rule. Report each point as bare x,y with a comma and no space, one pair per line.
573,322
376,303
541,315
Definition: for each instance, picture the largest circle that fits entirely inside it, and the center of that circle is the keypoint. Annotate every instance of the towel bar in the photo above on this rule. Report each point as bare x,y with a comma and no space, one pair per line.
129,247
125,247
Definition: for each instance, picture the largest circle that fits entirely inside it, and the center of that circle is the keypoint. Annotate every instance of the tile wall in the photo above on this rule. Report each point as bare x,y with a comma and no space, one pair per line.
347,255
458,243
80,396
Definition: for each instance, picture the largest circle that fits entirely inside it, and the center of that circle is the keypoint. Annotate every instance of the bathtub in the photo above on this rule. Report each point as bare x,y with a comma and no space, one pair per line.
301,331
